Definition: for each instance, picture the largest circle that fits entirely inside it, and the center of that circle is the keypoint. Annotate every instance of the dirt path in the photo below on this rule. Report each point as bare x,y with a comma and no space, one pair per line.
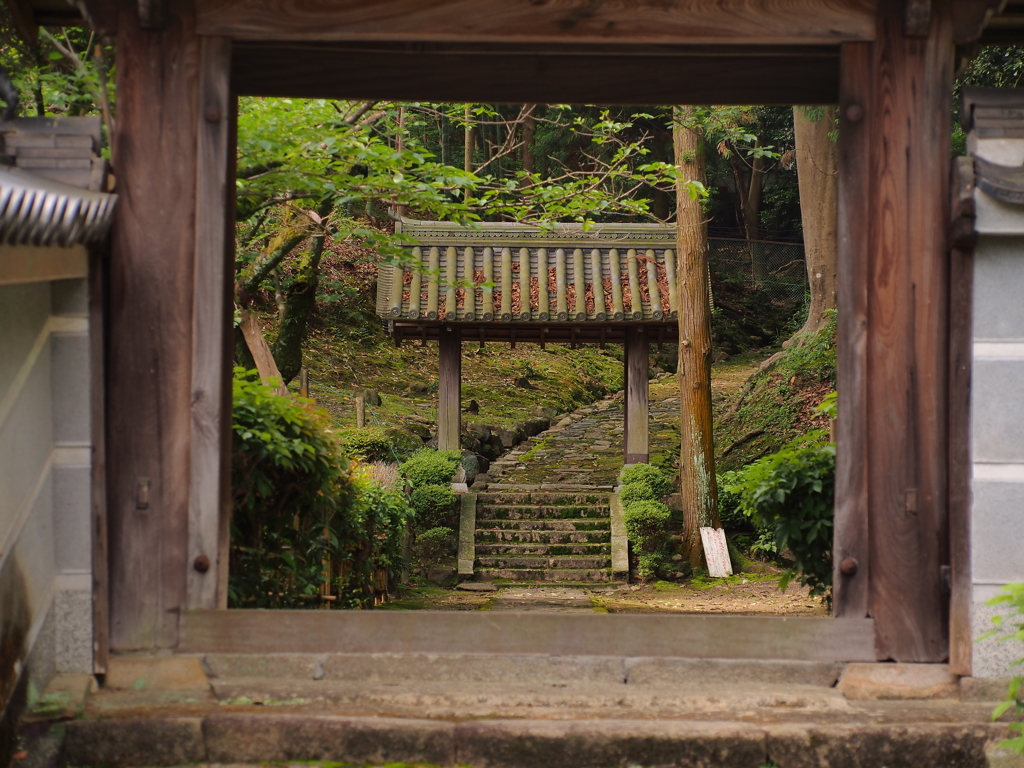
744,594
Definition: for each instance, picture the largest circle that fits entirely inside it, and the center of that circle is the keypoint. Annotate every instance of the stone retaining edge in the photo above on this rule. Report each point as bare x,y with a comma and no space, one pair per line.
244,737
467,534
620,544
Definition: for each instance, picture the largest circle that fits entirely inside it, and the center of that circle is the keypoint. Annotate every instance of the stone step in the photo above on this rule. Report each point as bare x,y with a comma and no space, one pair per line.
535,561
546,550
525,512
541,537
554,498
575,575
544,525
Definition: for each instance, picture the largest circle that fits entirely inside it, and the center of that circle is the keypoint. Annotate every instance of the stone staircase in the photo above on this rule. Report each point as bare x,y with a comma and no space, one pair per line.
553,537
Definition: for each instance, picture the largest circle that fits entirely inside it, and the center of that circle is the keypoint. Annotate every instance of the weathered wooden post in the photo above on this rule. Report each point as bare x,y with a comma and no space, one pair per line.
150,382
636,390
891,538
360,412
449,397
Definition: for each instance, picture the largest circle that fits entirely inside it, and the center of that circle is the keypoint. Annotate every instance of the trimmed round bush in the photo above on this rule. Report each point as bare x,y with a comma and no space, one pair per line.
659,482
367,445
434,545
637,492
429,467
647,525
433,505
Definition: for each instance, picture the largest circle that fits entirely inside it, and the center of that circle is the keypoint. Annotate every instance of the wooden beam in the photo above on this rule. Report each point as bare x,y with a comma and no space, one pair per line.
24,21
153,14
851,571
449,397
98,465
801,638
961,312
907,120
636,434
584,75
612,21
970,18
149,403
211,324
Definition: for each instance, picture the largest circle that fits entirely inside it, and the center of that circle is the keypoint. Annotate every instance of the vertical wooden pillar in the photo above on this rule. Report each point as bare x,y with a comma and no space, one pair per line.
209,495
449,398
636,423
892,454
149,373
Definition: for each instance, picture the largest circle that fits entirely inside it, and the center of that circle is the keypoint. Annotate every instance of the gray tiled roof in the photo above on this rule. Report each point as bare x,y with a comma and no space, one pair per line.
512,273
39,211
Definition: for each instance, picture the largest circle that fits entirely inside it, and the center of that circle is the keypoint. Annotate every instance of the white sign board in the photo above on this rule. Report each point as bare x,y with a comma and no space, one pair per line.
717,552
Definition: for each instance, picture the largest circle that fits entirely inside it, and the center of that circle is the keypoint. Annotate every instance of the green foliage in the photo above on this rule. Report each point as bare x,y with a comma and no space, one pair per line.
649,563
647,525
433,504
430,467
790,493
730,501
369,444
647,474
639,491
298,504
1011,631
433,545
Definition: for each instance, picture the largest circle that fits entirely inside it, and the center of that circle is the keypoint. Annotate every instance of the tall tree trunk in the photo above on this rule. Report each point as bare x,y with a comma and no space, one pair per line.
446,140
698,485
752,217
467,162
817,159
299,303
529,137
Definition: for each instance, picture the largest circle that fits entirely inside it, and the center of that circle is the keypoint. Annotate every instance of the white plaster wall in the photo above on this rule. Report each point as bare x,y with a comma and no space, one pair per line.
997,411
45,477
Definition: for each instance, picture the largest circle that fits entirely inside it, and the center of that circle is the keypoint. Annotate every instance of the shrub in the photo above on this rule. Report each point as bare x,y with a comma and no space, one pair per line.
369,444
649,563
429,467
657,480
433,545
639,491
299,504
433,505
730,501
790,493
1012,596
647,524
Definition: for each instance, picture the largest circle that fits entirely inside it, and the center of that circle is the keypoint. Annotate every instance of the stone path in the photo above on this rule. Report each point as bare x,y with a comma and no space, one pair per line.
585,447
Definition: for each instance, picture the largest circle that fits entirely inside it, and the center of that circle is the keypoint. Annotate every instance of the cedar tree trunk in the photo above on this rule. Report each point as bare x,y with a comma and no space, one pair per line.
698,486
817,158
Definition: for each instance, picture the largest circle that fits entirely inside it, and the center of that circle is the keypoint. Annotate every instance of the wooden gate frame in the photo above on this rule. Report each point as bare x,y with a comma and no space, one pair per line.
888,63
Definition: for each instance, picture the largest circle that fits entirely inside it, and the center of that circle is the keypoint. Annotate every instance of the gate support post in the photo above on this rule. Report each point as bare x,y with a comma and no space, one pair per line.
891,535
636,430
449,396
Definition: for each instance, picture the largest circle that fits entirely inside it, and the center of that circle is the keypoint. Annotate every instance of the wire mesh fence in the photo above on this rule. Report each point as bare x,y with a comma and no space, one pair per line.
774,269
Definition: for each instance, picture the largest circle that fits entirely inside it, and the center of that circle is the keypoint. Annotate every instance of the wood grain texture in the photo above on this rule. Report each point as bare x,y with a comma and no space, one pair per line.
150,328
637,428
850,593
98,468
449,395
907,355
961,312
554,21
721,637
805,75
210,322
